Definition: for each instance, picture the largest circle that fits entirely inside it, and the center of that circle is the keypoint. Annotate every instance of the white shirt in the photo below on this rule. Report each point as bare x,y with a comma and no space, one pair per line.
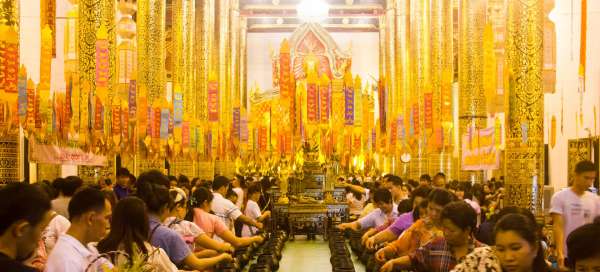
240,193
355,206
57,227
69,255
252,211
575,210
61,205
225,210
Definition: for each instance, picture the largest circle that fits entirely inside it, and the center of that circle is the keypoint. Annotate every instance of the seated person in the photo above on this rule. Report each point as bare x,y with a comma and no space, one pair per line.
253,210
190,232
458,222
422,231
200,213
404,221
583,247
385,212
152,188
225,209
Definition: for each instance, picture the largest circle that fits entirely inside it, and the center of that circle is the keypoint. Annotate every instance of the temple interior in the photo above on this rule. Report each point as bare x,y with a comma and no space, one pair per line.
322,108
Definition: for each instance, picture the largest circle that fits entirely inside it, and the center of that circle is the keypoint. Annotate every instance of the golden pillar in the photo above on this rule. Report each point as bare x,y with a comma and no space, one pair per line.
93,13
204,40
223,27
525,118
472,103
441,85
151,48
234,59
421,78
243,62
390,72
382,56
402,61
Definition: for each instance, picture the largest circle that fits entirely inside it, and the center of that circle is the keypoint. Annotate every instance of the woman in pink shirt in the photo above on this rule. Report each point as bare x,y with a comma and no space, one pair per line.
211,224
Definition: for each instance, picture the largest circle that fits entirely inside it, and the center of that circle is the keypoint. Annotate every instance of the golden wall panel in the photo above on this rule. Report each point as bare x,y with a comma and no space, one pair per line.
9,158
151,48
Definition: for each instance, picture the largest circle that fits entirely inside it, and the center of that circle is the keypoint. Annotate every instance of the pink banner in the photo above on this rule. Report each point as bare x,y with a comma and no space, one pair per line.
312,104
52,154
213,101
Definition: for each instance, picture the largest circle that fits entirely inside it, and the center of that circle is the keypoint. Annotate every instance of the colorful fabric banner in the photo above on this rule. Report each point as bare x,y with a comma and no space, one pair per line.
51,154
236,123
312,97
482,154
177,109
349,106
132,98
185,134
415,115
9,59
213,101
381,92
244,129
428,110
164,124
23,91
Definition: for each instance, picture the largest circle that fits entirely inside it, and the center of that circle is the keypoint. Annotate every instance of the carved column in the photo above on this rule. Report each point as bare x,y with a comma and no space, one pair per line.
525,118
390,72
472,112
151,48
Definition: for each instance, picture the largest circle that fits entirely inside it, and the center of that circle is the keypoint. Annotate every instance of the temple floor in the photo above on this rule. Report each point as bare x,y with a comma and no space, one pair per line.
301,254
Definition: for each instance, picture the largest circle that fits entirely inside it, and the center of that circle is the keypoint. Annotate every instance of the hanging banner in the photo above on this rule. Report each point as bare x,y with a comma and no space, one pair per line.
164,124
583,45
178,109
262,139
428,110
312,98
324,98
213,101
185,134
244,129
482,154
9,62
381,91
401,129
349,106
23,91
236,123
416,120
132,98
51,154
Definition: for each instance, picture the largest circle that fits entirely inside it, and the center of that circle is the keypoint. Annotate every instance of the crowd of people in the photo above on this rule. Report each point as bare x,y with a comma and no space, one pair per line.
163,223
435,225
149,223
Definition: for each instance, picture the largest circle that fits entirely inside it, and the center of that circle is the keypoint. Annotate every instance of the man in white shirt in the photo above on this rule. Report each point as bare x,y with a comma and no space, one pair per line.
225,209
574,207
66,188
253,210
385,213
90,213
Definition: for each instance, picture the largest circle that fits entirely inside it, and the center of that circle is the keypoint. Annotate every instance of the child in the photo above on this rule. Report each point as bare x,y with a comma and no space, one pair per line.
253,210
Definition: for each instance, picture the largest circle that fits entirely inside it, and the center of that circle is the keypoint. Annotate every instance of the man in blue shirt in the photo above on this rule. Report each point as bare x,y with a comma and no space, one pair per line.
122,189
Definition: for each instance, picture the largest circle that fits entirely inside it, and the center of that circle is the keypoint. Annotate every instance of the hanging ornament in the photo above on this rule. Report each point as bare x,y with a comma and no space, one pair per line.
23,91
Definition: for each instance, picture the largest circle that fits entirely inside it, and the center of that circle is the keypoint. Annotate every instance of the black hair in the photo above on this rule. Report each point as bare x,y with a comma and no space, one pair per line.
382,195
58,184
417,213
584,243
201,195
47,188
122,172
460,214
528,230
128,227
220,181
152,188
440,197
172,178
585,166
395,180
420,191
70,185
440,174
254,188
386,176
173,203
86,200
108,182
405,206
20,201
425,177
230,193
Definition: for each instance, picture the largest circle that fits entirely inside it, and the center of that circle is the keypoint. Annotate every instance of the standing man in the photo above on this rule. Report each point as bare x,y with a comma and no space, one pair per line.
122,189
574,207
24,214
